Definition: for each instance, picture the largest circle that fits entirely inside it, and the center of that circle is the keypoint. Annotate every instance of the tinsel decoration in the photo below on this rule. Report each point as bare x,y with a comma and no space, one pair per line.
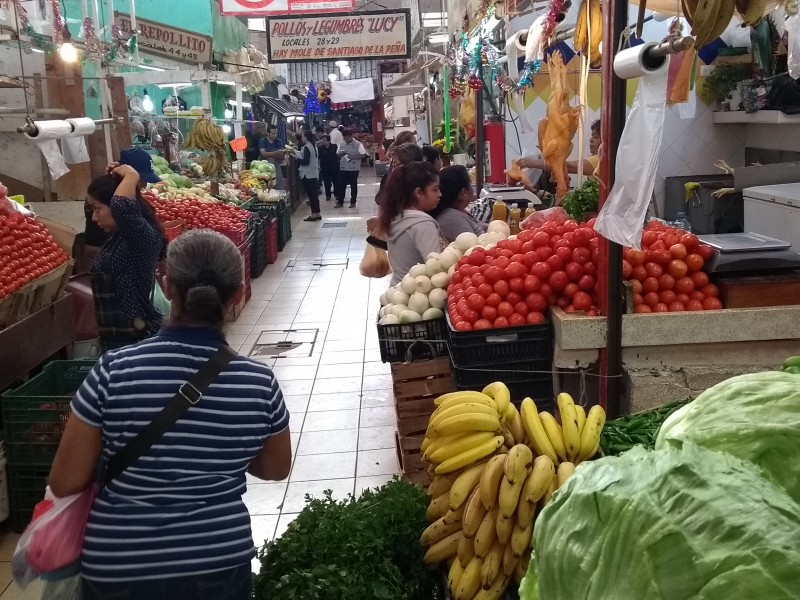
37,39
475,82
92,44
119,47
58,23
554,12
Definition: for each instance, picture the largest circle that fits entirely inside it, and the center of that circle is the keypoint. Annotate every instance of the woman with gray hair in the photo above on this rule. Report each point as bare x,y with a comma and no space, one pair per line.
169,522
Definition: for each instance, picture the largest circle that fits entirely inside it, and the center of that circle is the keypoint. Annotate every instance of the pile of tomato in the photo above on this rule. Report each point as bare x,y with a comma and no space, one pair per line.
513,283
27,251
666,275
200,215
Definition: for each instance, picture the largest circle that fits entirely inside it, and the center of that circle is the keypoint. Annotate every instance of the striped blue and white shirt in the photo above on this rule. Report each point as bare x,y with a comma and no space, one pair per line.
178,510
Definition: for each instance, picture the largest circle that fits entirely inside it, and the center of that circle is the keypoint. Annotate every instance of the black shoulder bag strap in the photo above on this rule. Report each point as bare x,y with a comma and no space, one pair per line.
187,396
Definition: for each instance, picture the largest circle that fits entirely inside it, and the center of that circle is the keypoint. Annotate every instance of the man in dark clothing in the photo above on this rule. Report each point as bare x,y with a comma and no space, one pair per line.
273,149
328,165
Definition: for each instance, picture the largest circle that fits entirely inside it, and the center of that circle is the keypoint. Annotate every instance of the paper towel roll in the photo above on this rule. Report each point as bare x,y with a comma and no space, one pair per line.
635,62
82,126
52,154
50,130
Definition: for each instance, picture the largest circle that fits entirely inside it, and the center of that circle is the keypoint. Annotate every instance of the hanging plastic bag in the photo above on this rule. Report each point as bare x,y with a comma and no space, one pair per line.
54,539
375,262
160,301
622,217
793,43
556,215
679,83
67,588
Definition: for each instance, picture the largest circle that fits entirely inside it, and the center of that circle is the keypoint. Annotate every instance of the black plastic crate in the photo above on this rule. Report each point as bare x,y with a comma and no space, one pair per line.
423,339
500,346
26,487
35,413
524,378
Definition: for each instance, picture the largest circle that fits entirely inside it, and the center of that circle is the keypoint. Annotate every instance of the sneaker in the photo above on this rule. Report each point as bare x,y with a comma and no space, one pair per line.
339,205
312,218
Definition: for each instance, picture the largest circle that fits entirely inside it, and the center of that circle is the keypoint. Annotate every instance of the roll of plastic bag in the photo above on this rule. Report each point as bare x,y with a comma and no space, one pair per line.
793,43
621,219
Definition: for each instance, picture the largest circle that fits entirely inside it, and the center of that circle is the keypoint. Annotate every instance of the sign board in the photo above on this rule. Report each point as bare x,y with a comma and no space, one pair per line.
380,34
238,144
161,40
267,8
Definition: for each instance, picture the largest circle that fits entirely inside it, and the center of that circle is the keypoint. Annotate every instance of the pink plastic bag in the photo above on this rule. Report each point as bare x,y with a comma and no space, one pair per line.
54,538
540,217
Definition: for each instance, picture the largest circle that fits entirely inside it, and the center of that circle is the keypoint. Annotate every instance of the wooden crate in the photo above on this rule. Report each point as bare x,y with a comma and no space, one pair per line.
409,458
34,296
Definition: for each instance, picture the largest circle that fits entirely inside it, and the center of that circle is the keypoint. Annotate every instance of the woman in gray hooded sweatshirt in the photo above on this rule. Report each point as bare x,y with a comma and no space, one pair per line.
411,192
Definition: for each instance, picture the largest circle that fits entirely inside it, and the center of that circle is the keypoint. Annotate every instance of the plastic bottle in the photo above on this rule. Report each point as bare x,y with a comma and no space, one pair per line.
529,211
499,210
514,217
681,222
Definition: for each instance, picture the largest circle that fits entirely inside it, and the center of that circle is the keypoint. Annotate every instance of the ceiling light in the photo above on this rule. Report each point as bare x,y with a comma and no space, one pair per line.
230,83
147,104
226,129
175,86
438,38
67,51
228,113
341,63
151,68
332,77
345,71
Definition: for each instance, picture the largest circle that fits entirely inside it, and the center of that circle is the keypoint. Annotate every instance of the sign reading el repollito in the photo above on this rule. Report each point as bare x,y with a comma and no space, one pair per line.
380,34
169,42
265,8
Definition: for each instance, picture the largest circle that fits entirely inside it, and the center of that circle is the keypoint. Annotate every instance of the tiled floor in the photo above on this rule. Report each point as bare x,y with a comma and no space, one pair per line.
338,393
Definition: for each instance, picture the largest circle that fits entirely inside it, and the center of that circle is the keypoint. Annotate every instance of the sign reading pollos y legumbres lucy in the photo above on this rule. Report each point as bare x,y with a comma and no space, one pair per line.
378,34
161,40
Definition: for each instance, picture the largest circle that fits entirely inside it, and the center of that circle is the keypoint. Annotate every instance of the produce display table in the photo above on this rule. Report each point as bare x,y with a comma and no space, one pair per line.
36,338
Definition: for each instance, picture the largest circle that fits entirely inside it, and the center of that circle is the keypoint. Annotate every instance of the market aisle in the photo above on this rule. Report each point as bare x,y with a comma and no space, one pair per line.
338,391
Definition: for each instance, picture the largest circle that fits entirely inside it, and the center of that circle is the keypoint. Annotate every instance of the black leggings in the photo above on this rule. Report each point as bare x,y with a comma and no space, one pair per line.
311,186
329,177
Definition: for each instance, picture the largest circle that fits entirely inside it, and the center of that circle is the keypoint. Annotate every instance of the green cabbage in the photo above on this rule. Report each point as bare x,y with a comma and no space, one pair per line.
674,524
755,417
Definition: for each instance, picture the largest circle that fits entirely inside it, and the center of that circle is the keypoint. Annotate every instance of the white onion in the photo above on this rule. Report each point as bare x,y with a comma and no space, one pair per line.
437,298
432,267
407,285
440,280
417,270
418,303
466,240
422,284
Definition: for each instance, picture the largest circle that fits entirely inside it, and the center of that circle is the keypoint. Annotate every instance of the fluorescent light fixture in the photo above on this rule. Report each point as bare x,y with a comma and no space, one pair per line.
438,38
230,83
257,24
332,77
345,71
226,129
169,86
434,19
37,50
151,68
341,63
244,104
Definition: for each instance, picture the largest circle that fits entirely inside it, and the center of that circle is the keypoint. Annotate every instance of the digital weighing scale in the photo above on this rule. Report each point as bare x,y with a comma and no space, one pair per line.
749,252
511,194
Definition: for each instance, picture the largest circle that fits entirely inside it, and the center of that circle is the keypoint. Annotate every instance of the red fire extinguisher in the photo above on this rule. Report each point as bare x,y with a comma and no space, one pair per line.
495,156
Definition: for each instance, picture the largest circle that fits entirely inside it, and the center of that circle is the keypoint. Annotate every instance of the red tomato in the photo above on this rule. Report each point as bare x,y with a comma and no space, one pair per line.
639,273
707,252
666,282
535,318
711,290
712,303
555,263
574,271
562,302
500,322
590,269
476,302
694,305
478,280
529,259
700,279
505,309
516,320
684,285
516,285
501,287
521,308
677,307
678,251
697,295
514,270
528,247
626,269
666,296
636,257
540,239
690,241
489,313
582,236
477,257
695,262
493,274
660,308
650,284
544,252
485,290
654,269
651,299
463,326
648,238
469,315
661,257
636,286
536,302
531,283
525,236
558,280
513,297
587,283
502,262
571,290
493,299
637,299
546,290
542,270
581,255
466,283
456,278
682,298
482,324
582,301
642,308
678,269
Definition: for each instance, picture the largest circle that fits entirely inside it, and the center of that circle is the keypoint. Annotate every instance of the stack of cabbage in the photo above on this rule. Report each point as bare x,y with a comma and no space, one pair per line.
713,513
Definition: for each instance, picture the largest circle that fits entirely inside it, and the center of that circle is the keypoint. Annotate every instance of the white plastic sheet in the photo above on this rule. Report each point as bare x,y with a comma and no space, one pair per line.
622,217
793,43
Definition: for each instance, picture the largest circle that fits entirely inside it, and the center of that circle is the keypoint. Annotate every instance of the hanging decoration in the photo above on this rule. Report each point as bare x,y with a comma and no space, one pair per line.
58,23
93,47
119,47
312,102
37,39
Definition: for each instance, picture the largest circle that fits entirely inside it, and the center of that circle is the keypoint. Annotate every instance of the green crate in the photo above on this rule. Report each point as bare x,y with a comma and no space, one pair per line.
26,487
35,413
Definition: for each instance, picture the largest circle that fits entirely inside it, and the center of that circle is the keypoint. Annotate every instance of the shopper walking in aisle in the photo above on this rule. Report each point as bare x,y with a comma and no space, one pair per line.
308,165
351,152
328,165
412,191
457,193
273,149
123,273
170,523
336,136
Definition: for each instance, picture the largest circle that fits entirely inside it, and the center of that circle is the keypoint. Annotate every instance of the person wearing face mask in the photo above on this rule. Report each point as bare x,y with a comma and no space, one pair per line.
457,193
412,191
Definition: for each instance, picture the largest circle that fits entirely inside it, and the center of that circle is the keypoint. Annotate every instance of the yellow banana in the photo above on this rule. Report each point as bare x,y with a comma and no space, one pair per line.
489,484
551,489
495,590
539,480
519,461
515,426
565,471
443,549
463,396
473,514
596,32
460,409
590,436
553,431
442,448
464,485
486,534
521,538
507,437
492,564
470,581
498,391
441,484
580,413
438,507
508,498
466,423
454,575
525,512
455,516
569,425
581,39
509,560
466,550
470,456
535,430
504,526
522,567
754,12
437,531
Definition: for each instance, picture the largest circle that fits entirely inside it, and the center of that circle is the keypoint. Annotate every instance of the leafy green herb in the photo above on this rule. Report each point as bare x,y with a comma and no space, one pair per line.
582,201
620,435
356,549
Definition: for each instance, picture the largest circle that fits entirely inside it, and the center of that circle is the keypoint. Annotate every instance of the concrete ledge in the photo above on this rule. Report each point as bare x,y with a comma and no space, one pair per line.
670,329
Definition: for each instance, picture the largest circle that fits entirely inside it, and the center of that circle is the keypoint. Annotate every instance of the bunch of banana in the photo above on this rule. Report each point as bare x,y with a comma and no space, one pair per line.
248,180
589,31
750,11
206,135
708,18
